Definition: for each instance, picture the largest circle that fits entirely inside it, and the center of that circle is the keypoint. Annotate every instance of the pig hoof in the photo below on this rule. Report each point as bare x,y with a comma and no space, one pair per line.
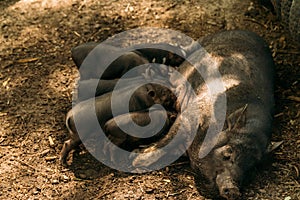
63,161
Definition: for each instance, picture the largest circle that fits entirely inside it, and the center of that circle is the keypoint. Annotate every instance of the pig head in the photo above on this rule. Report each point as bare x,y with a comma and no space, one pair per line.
240,146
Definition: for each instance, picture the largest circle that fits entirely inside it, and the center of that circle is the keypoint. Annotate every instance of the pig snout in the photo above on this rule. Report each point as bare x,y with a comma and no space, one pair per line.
227,187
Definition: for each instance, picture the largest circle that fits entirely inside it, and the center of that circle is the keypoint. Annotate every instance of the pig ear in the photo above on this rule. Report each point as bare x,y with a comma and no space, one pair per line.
80,52
222,138
237,119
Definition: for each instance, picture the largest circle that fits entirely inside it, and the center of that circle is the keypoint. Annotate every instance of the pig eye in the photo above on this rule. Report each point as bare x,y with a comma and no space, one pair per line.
227,153
173,118
226,157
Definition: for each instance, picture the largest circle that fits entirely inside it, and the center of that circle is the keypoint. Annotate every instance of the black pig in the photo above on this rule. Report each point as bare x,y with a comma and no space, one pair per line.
246,66
100,56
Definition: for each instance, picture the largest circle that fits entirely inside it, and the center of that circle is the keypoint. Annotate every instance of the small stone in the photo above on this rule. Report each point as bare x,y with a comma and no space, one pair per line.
37,191
82,176
87,174
262,191
149,190
55,181
167,169
167,180
65,178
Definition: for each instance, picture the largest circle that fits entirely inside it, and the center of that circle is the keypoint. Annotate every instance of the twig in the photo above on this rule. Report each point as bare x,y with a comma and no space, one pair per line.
50,158
76,33
2,140
104,194
82,5
287,52
190,197
8,145
294,98
278,115
257,22
176,193
27,165
178,164
297,170
51,142
190,172
27,60
171,6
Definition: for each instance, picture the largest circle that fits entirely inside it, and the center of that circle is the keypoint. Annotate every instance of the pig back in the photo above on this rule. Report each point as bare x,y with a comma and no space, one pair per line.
245,64
246,67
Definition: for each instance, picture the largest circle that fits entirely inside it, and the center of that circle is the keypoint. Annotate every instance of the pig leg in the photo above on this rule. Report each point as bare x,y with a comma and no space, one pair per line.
110,148
67,147
141,118
154,152
72,142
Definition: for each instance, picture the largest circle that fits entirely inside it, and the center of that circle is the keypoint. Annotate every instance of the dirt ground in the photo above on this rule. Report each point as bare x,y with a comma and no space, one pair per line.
37,76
